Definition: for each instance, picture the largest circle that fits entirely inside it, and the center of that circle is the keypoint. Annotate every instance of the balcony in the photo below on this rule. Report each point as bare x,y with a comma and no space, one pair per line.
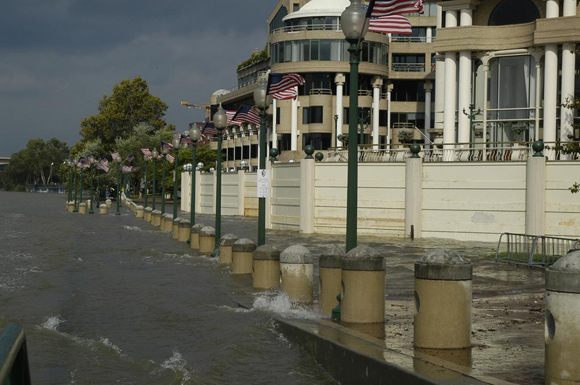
408,67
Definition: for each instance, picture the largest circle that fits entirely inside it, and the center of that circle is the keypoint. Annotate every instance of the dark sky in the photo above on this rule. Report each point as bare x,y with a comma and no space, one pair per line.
58,57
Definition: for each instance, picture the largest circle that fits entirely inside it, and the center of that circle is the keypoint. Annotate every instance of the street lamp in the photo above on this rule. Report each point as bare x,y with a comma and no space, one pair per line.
165,151
336,132
145,159
472,113
262,101
69,163
92,162
220,120
200,166
75,165
354,25
194,134
118,160
176,143
154,191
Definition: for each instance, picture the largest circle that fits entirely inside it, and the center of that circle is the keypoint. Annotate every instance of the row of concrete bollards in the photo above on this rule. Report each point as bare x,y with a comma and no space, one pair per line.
442,287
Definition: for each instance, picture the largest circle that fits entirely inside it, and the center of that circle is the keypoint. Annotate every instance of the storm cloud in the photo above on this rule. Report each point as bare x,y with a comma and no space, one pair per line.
58,57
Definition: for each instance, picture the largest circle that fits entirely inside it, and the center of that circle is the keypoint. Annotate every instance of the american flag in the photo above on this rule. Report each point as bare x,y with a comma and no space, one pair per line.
147,153
391,24
247,114
134,169
130,158
186,140
209,129
283,86
379,8
83,162
103,165
126,168
166,146
115,155
170,158
230,114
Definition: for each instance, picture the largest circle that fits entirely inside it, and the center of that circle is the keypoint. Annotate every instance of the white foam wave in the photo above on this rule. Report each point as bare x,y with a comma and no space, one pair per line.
132,228
281,304
234,309
109,344
178,364
52,323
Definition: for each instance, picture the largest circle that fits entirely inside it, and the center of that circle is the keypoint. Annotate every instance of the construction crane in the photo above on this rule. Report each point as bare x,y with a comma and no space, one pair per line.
192,105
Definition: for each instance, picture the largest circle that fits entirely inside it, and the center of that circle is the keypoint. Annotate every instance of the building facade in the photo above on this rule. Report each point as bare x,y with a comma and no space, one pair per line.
511,59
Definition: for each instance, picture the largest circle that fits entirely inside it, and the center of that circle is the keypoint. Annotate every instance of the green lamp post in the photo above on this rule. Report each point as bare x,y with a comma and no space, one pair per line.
354,25
194,135
176,143
81,184
155,154
118,160
92,162
75,165
68,162
262,101
220,120
165,151
146,159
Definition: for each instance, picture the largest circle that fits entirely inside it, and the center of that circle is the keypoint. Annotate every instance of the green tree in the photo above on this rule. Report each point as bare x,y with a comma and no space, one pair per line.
129,105
573,147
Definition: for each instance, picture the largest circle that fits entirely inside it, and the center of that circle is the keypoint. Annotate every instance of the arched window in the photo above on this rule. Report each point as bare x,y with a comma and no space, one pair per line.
277,20
514,12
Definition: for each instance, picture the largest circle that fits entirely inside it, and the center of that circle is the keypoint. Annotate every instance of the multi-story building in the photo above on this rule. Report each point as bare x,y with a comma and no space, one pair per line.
416,87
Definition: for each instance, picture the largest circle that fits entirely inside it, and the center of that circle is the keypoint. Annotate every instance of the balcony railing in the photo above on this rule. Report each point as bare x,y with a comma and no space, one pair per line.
320,91
408,67
412,39
312,27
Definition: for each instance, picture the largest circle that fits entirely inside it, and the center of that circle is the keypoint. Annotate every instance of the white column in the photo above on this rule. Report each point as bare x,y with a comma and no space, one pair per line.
450,103
568,77
429,35
550,84
377,84
274,118
339,79
307,196
464,97
389,90
294,124
484,113
428,88
535,195
439,79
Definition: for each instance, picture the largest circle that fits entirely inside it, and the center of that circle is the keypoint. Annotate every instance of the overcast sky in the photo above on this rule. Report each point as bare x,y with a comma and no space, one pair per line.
58,57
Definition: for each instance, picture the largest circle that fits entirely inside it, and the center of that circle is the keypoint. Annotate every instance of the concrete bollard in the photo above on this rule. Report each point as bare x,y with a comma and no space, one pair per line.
166,222
139,211
562,333
195,229
156,218
175,228
443,301
147,214
297,273
266,267
225,248
242,257
206,241
109,203
103,209
183,230
70,206
329,276
363,286
83,208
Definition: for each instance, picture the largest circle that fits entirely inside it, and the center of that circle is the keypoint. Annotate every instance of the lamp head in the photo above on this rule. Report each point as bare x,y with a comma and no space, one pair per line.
220,119
164,151
155,153
194,133
353,21
260,97
199,166
176,141
118,160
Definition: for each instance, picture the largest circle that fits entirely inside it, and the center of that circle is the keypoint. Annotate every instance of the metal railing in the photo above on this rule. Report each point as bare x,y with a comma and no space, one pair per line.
412,39
320,91
532,250
14,368
311,27
408,67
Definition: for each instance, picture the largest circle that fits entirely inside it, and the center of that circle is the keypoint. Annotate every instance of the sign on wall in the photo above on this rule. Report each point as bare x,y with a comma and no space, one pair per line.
263,183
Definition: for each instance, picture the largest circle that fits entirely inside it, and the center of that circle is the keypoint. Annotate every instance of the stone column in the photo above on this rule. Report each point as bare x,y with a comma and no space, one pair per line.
339,79
429,38
294,123
428,89
568,78
413,197
307,196
450,101
439,78
389,91
550,83
464,97
274,117
535,195
377,85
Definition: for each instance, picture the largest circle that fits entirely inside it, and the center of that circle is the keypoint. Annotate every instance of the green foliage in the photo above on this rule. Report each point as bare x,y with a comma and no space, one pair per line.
129,105
573,147
38,163
405,136
255,58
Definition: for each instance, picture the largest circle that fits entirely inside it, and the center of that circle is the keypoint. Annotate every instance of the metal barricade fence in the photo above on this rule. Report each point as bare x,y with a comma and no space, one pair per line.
532,250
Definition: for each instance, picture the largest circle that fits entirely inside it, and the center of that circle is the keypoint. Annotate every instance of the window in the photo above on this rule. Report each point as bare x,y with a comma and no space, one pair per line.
295,7
285,142
246,152
277,20
314,50
312,114
325,50
319,141
238,152
254,150
277,115
383,118
362,112
514,12
408,91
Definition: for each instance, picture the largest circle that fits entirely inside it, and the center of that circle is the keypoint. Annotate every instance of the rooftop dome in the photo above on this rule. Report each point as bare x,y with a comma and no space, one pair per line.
220,92
318,8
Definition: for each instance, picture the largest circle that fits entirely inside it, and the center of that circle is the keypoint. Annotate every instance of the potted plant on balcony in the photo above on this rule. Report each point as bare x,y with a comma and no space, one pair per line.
405,136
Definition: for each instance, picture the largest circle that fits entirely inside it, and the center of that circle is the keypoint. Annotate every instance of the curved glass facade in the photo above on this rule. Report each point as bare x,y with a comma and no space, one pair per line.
326,50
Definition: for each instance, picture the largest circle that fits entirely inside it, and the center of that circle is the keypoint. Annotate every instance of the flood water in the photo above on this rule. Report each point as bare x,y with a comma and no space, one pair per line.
111,300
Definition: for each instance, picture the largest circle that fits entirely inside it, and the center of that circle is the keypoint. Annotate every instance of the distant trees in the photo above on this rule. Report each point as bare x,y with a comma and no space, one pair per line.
40,163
